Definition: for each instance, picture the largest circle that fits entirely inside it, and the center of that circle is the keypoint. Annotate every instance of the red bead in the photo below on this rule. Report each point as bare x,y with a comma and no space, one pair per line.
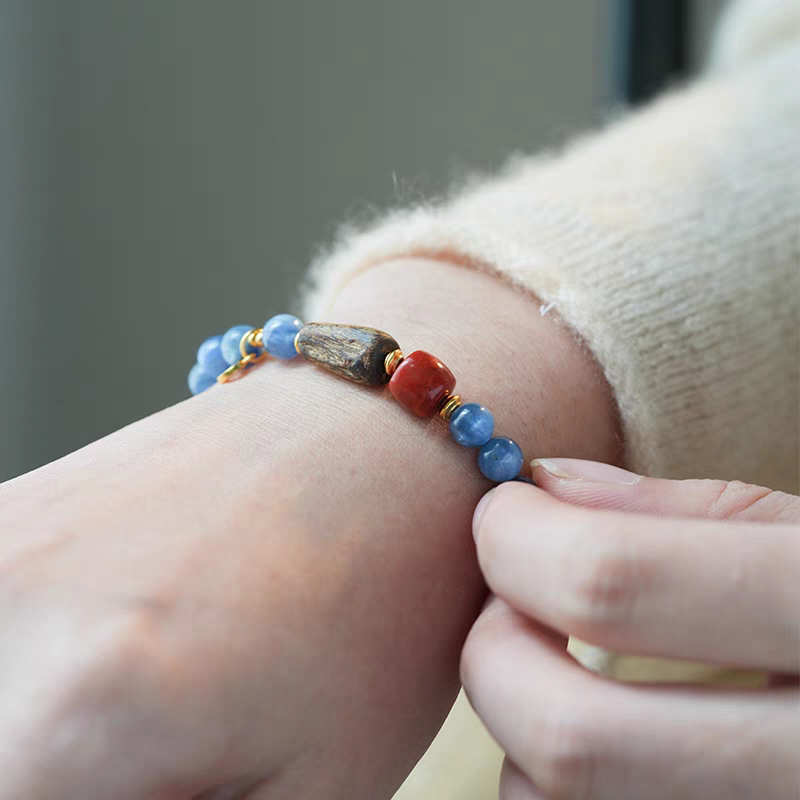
421,383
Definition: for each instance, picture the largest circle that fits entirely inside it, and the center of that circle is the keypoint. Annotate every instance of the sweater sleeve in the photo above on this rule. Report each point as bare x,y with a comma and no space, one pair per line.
670,242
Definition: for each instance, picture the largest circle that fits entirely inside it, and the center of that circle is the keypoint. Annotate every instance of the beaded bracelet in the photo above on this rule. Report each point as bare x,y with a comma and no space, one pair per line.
420,382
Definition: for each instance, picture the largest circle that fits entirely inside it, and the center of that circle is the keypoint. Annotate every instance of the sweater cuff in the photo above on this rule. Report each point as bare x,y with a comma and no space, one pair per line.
670,243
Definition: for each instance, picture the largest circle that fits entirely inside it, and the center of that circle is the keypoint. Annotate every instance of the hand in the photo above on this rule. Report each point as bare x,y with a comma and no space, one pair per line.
266,588
698,570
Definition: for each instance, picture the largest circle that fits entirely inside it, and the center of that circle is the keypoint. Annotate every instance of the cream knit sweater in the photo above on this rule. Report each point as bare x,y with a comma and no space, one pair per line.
671,243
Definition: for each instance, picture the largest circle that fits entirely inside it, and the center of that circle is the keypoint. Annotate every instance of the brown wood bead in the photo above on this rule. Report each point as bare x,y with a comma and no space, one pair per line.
351,351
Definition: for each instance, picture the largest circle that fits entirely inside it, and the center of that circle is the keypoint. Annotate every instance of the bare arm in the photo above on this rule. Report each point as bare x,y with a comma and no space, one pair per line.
270,584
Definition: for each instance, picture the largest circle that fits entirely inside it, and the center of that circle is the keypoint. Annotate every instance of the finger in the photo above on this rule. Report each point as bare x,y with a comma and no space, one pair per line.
590,483
515,785
719,592
575,735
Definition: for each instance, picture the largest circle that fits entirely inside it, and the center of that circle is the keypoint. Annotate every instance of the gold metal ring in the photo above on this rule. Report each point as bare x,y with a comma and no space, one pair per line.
238,369
251,338
392,361
449,406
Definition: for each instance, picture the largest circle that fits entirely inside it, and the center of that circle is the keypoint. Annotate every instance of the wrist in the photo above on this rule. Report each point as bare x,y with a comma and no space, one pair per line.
367,509
541,382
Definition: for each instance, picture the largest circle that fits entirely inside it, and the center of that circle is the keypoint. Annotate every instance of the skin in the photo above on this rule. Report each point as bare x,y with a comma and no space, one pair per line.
263,591
699,570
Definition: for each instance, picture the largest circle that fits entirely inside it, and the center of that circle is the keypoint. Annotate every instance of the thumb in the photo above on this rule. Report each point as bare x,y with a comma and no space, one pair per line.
597,485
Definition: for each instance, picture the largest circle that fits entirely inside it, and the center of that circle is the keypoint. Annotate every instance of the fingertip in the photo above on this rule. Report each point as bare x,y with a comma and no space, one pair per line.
592,484
480,510
497,500
576,469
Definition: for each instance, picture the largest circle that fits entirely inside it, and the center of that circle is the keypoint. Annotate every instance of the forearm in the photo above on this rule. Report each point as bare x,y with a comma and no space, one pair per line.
332,525
393,496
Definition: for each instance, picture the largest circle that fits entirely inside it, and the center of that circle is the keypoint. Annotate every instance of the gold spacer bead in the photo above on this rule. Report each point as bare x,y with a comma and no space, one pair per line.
251,338
392,361
451,403
296,337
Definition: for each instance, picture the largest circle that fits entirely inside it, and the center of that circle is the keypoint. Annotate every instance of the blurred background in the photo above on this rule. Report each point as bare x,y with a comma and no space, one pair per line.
169,167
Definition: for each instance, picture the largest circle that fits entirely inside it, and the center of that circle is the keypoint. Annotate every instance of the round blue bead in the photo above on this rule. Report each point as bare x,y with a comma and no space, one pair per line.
229,346
279,333
200,380
209,356
500,459
472,425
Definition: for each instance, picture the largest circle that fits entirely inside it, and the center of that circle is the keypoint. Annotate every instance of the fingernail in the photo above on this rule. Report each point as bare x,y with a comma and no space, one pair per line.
480,510
575,469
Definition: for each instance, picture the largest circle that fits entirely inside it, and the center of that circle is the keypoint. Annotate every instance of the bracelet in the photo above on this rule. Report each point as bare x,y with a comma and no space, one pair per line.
419,382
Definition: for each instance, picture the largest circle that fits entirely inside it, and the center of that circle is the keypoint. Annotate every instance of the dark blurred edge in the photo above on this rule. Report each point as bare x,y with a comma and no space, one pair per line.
652,47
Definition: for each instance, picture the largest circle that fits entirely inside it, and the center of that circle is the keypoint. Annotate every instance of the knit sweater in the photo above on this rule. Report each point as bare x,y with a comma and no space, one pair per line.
670,242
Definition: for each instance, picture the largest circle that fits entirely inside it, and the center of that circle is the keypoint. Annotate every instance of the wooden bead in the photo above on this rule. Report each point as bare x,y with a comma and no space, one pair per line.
354,352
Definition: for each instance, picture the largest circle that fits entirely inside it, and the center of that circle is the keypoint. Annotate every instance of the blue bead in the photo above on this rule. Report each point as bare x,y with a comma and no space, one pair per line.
472,425
500,459
209,356
200,380
279,333
229,346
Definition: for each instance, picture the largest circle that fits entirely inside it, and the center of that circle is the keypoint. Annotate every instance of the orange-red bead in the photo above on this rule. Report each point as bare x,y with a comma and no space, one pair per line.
421,383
